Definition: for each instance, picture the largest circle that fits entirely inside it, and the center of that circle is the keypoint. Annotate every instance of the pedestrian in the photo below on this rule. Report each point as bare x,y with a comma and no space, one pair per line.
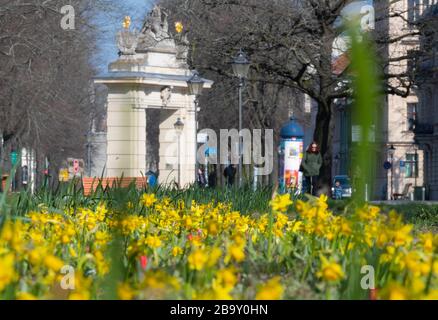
338,191
151,179
201,178
212,177
311,166
25,177
230,174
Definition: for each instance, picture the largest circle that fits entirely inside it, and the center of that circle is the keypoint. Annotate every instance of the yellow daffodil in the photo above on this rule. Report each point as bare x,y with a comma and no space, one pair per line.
125,292
214,256
427,242
177,251
271,290
149,200
226,278
281,203
153,242
7,271
26,296
330,271
236,252
197,259
53,263
395,291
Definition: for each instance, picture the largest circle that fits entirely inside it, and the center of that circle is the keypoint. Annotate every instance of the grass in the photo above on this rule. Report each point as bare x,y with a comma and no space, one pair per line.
70,195
423,216
244,200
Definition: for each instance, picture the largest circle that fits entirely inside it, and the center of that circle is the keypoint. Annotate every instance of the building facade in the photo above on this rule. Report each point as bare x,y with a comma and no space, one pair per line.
426,122
405,124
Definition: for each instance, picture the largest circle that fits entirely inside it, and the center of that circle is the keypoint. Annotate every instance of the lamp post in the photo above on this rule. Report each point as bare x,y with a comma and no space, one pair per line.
241,66
195,85
416,147
391,152
179,128
89,146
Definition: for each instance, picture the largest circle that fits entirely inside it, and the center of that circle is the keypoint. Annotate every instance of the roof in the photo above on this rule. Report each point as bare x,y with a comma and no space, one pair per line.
129,75
292,129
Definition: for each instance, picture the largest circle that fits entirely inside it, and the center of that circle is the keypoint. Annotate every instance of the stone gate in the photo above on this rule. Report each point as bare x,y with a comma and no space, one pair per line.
150,74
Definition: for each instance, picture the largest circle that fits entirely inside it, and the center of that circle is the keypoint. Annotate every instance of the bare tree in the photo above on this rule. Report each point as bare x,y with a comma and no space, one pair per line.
291,44
216,33
46,97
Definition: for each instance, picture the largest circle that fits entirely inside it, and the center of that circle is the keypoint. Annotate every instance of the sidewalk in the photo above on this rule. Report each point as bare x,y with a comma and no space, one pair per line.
404,202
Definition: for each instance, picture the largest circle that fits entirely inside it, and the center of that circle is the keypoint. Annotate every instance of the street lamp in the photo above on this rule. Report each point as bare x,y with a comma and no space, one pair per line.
89,146
196,85
241,66
179,128
416,167
391,152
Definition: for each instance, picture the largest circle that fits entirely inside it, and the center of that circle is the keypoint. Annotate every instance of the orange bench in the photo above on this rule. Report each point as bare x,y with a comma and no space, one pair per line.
91,184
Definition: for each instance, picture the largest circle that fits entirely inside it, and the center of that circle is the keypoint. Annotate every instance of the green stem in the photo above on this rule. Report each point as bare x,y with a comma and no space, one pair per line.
429,278
270,235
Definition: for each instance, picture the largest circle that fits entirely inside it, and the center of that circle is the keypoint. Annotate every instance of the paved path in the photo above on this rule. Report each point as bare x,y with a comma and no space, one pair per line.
405,202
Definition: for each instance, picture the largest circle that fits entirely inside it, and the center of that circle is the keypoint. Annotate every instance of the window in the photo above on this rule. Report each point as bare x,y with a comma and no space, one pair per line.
413,9
411,116
413,62
425,5
411,166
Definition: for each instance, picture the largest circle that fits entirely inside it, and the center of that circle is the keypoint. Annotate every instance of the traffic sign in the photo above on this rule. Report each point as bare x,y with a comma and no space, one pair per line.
202,138
25,175
387,165
211,152
75,167
14,158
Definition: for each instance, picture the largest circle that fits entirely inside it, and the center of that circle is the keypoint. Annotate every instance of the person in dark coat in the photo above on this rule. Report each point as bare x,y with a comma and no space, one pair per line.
311,166
201,178
230,174
212,177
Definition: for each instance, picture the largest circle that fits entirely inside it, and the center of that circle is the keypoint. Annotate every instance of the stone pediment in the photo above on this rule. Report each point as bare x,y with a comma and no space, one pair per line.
145,78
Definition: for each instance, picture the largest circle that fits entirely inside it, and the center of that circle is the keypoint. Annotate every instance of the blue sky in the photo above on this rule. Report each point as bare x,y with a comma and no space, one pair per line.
355,6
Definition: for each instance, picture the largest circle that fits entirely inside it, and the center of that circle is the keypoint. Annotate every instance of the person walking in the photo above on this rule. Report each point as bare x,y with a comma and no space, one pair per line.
201,178
151,179
311,166
230,173
212,177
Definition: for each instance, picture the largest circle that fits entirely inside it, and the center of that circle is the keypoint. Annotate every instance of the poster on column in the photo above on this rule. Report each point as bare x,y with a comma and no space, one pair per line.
293,155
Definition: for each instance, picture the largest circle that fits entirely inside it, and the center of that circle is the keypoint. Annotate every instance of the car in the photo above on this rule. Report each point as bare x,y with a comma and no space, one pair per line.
345,184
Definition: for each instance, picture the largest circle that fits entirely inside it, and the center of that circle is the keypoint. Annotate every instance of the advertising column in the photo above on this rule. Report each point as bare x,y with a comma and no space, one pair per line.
290,156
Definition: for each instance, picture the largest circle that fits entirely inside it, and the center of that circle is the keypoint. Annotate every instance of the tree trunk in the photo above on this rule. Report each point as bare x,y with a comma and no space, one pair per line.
323,136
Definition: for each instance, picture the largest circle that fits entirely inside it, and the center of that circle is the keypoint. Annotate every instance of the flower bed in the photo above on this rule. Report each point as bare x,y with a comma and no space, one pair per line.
162,249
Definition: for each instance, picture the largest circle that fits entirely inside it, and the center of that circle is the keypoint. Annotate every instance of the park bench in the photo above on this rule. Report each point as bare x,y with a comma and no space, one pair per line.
91,184
404,195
